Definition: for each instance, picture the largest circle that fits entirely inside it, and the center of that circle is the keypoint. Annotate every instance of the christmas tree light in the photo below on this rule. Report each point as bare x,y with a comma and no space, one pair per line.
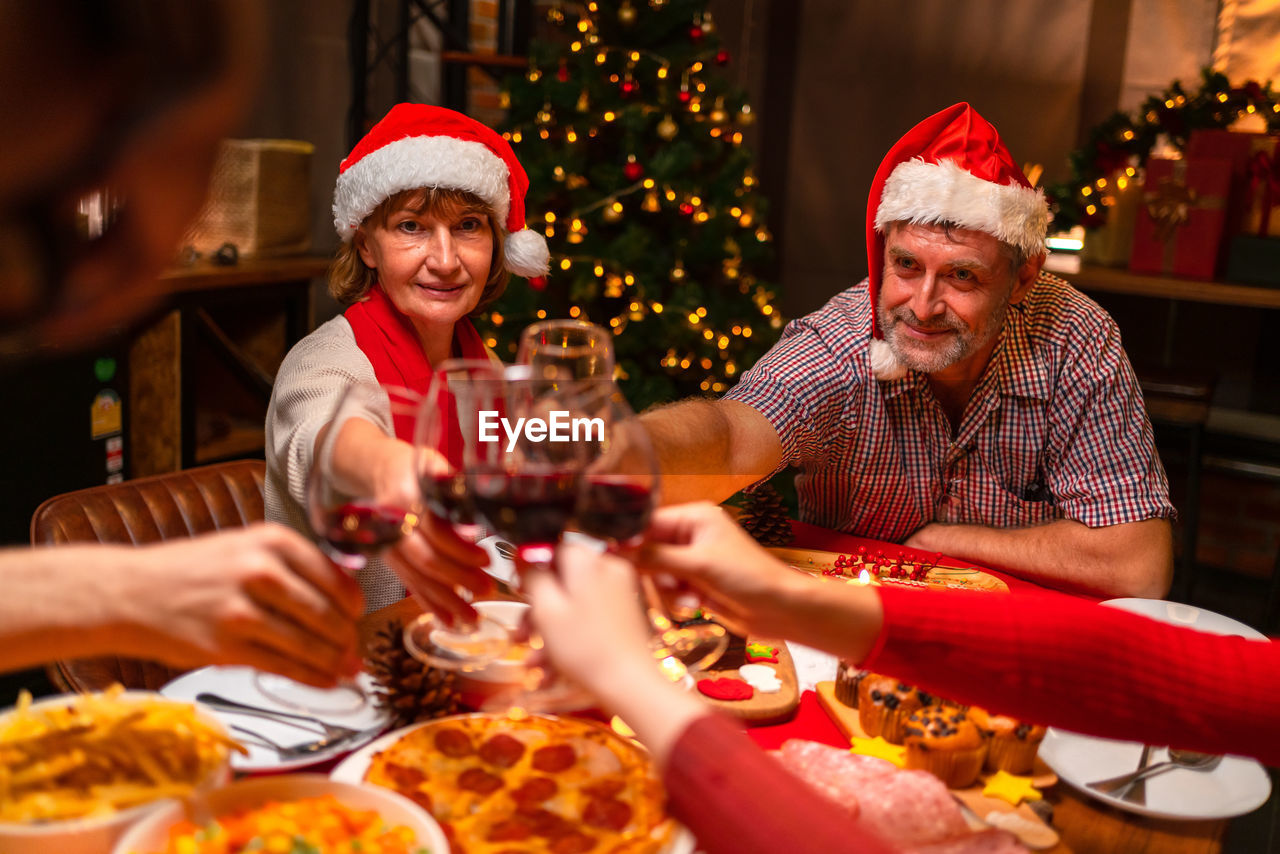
632,139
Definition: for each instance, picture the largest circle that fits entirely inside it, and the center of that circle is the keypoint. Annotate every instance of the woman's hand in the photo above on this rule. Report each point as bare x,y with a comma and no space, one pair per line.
589,613
702,546
433,561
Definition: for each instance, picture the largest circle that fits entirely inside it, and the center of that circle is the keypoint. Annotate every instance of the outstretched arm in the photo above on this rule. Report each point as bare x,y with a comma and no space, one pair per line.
710,449
1130,559
262,597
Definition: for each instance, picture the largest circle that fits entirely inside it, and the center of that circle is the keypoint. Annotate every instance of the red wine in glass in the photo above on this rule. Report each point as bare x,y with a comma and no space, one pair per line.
446,495
614,509
362,528
527,509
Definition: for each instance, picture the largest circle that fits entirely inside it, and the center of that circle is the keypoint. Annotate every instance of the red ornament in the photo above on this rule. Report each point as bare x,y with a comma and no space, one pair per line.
629,87
685,97
695,33
633,170
722,57
686,209
562,74
538,283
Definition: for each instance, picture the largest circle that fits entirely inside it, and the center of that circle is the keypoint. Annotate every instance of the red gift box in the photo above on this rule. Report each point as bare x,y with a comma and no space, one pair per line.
1255,177
1182,219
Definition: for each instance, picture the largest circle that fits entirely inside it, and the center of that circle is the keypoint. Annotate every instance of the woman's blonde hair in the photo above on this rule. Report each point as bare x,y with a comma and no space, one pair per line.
350,278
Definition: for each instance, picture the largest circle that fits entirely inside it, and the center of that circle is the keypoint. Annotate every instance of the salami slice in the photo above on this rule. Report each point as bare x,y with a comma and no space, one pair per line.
535,790
514,829
607,814
454,743
554,758
911,808
480,781
576,842
502,751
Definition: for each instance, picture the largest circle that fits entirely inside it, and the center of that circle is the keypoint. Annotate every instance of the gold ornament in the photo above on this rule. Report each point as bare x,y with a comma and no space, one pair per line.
717,114
504,99
667,128
544,115
678,272
612,212
583,104
650,203
575,182
558,173
708,25
627,13
745,115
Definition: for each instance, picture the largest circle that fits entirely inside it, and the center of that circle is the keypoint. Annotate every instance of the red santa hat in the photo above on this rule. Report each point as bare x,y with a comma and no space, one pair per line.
952,168
418,145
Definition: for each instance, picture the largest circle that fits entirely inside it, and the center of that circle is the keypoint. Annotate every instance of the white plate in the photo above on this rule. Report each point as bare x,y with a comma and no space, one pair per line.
1237,786
237,683
353,768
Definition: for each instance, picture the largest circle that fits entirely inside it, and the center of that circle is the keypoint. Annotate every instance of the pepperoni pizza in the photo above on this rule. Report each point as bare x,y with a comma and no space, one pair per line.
553,785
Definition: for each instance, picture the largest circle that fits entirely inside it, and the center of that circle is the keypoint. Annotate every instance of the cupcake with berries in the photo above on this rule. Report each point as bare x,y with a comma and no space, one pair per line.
884,704
1013,744
945,742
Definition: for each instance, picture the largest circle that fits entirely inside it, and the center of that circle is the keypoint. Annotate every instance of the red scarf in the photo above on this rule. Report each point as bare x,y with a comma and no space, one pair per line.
389,341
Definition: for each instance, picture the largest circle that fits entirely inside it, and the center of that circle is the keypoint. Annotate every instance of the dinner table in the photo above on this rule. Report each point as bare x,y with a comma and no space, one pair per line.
1084,825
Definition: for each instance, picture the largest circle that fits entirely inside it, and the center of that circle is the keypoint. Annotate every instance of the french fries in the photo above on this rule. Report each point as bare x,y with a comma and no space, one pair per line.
99,753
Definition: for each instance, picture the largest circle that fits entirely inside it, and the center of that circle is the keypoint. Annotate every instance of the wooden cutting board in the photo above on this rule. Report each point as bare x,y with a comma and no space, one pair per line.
762,708
1031,830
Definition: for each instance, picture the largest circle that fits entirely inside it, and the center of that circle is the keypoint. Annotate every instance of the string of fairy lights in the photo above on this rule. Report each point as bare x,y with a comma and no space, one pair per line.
1119,146
632,70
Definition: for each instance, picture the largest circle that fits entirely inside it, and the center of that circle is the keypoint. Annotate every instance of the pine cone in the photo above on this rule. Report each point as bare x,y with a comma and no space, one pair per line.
765,517
407,689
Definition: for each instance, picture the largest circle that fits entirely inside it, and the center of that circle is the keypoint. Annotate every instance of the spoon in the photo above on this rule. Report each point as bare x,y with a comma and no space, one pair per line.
1117,787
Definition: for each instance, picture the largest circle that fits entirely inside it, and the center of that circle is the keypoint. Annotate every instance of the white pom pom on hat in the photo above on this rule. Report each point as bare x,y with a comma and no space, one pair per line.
419,145
950,168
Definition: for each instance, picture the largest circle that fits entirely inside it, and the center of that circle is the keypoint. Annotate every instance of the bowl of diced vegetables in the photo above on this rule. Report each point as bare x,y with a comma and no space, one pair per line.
289,814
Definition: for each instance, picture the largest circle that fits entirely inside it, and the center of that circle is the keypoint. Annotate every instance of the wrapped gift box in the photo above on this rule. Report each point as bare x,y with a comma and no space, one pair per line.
1255,177
1181,222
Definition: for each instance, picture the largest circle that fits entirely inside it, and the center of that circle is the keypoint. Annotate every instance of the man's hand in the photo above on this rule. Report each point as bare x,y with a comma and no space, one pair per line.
1131,559
262,597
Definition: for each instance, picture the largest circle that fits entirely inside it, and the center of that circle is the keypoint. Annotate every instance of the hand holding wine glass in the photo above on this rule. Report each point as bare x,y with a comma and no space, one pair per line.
356,509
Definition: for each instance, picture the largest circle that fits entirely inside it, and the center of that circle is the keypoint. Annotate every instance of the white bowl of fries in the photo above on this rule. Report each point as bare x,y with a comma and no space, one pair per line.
77,770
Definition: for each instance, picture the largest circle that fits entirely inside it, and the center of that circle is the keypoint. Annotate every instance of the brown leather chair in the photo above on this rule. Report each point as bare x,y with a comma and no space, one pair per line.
147,510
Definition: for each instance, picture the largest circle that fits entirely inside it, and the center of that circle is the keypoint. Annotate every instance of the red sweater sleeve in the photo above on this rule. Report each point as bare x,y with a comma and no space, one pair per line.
1064,662
736,799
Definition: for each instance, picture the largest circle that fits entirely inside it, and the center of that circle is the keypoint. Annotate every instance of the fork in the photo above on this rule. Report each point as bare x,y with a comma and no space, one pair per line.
285,751
332,732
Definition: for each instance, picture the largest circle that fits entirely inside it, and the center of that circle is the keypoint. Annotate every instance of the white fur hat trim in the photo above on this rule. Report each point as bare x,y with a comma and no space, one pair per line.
929,193
884,364
419,161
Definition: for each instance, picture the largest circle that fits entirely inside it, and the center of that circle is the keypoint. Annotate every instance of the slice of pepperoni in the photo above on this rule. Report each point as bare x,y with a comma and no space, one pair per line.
576,842
480,781
547,824
502,751
453,742
607,814
404,776
554,758
419,797
514,829
606,787
535,790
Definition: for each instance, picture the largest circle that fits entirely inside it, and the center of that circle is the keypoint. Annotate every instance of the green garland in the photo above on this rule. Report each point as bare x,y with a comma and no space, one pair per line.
1115,143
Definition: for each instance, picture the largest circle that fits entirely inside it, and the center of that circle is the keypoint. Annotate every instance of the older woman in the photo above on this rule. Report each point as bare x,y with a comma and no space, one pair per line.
430,209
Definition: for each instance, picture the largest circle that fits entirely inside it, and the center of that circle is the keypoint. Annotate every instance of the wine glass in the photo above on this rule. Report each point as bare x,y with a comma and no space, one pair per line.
351,524
617,495
521,482
567,349
442,434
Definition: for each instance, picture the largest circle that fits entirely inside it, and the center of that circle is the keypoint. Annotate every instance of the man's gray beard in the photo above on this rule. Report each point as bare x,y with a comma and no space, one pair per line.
928,360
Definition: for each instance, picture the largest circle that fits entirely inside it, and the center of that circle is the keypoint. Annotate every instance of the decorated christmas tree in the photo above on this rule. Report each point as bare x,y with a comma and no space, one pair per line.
632,138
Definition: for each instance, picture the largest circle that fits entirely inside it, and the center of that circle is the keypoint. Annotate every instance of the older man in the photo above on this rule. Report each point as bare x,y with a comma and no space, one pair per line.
958,400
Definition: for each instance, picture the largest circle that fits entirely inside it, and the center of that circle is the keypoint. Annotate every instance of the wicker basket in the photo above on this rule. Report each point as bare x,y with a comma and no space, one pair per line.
259,199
